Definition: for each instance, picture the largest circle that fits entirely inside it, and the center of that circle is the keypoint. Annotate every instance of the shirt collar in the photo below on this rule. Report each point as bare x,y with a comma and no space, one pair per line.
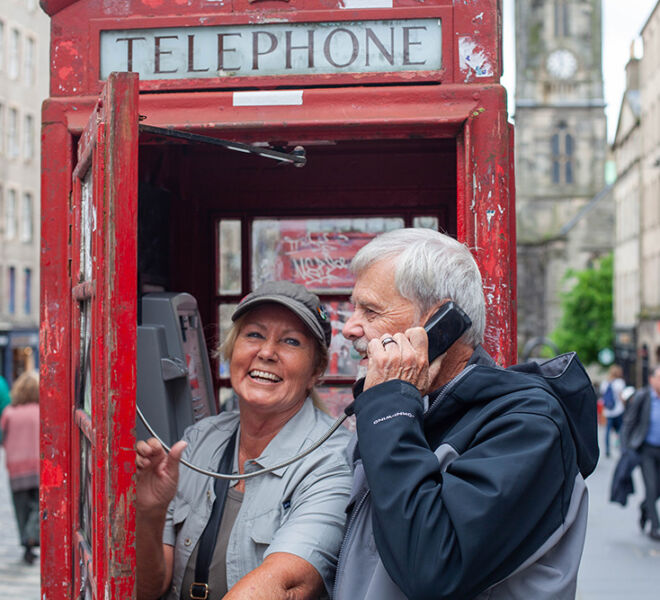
288,442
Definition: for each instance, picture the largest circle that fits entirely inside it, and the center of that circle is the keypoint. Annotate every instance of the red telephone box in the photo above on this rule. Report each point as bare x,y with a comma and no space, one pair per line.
396,109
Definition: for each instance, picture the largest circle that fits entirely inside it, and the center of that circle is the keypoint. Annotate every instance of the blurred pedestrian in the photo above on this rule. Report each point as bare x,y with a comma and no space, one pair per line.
627,394
641,432
5,399
613,406
20,428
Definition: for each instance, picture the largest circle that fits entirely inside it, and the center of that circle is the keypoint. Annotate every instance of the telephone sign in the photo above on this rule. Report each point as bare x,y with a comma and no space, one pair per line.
274,49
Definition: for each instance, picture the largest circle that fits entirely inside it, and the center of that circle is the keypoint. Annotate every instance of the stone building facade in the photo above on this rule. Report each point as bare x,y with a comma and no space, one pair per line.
564,210
24,74
626,150
649,240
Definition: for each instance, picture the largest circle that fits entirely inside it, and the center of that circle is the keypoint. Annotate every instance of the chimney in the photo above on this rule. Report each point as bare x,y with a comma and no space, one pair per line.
632,70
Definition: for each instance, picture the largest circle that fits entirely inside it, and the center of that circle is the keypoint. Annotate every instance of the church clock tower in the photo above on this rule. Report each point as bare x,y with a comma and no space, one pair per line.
561,144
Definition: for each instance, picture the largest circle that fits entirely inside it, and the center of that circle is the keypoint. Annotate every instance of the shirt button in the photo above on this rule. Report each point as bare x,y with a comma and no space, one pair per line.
187,542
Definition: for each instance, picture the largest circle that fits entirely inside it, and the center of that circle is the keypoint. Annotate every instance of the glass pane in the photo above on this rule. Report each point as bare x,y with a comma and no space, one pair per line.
569,144
227,398
87,225
87,389
555,171
426,222
229,257
85,488
84,399
313,252
555,145
569,172
224,325
343,358
85,575
335,398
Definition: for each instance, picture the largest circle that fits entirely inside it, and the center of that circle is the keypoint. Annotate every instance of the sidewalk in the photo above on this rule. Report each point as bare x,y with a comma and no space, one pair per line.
618,560
17,579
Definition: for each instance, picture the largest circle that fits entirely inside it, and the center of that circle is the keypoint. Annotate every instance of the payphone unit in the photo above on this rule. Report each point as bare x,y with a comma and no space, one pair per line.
174,386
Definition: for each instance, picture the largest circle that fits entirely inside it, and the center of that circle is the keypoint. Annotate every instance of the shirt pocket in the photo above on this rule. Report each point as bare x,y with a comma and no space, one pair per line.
263,528
179,515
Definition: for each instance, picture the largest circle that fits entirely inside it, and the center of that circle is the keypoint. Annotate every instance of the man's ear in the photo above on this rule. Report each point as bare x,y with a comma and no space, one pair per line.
435,308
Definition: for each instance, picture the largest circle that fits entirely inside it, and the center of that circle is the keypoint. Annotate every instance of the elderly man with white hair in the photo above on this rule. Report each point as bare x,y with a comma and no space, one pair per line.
468,478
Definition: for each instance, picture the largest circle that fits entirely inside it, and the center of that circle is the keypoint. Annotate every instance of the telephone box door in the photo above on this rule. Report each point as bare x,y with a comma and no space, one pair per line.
103,333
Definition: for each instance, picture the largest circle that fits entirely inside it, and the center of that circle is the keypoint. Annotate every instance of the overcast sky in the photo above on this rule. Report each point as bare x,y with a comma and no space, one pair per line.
622,22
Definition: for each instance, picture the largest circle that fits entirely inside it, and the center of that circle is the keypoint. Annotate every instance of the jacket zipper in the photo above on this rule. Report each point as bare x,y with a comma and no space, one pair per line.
342,548
452,384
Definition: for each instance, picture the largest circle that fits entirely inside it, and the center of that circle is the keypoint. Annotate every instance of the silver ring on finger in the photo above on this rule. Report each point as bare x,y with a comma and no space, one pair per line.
388,340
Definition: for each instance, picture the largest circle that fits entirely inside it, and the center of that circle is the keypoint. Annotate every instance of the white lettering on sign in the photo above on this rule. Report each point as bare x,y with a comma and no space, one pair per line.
274,49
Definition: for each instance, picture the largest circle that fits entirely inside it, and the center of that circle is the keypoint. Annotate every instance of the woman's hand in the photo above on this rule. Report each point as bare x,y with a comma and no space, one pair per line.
157,474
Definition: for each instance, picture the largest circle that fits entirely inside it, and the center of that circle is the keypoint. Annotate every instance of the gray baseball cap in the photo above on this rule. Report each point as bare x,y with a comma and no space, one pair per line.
298,299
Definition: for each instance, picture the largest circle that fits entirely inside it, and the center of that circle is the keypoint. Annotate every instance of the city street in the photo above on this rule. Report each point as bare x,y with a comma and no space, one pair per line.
17,579
618,562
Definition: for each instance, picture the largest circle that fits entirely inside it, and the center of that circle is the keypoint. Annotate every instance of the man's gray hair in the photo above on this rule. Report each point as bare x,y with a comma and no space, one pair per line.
429,267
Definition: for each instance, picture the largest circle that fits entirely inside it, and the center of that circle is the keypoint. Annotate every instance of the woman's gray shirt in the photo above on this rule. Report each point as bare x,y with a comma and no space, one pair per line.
299,509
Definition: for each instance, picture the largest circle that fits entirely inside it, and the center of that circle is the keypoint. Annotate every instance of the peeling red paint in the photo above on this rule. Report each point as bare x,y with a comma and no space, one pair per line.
52,474
64,72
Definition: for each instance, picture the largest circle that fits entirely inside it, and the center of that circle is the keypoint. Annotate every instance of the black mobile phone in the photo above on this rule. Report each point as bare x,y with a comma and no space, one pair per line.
444,327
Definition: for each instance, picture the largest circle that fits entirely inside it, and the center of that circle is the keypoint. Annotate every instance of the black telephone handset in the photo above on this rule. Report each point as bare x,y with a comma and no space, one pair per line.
444,328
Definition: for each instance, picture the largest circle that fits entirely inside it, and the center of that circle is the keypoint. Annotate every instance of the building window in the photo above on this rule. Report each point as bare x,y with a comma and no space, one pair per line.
28,292
12,133
10,215
28,137
26,217
561,20
2,45
12,291
14,53
2,128
28,61
563,150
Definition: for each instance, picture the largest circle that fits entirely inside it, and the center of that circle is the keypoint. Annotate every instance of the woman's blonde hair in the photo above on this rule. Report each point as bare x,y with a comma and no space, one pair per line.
25,390
321,356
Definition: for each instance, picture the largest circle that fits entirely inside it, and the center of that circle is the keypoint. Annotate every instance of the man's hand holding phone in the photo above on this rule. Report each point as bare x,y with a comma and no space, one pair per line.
416,355
401,356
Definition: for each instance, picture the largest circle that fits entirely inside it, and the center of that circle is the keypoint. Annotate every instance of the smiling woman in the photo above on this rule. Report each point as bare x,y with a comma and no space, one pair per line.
278,532
272,364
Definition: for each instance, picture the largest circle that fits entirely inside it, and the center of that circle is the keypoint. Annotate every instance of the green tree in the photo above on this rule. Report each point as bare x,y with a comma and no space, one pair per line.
586,321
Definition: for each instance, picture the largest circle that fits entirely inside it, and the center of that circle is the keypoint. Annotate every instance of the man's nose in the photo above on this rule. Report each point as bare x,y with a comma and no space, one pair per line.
352,329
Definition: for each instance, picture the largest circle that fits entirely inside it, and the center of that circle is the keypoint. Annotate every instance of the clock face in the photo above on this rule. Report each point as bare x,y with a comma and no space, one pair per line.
562,64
